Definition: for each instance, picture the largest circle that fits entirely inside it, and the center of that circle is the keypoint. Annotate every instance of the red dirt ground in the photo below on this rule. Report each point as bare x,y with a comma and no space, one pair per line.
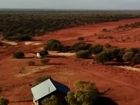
124,84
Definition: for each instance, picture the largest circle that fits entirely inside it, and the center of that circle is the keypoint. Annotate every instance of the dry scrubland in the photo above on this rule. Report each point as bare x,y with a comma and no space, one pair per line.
16,75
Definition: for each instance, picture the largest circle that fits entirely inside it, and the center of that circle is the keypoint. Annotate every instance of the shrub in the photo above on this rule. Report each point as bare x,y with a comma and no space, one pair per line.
53,45
95,49
80,46
31,63
83,54
104,30
101,57
43,53
18,54
135,60
4,101
53,100
128,56
119,55
133,50
106,55
80,38
45,61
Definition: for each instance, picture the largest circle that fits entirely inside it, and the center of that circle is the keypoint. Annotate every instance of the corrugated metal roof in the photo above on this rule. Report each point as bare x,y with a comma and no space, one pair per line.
43,89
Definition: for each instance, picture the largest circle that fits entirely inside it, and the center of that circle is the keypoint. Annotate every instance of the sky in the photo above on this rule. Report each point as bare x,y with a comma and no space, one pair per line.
71,4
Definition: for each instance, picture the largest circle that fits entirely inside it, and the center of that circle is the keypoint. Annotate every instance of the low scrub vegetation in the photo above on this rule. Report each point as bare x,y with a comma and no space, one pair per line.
43,53
80,46
125,27
112,54
4,101
83,54
53,45
18,54
95,49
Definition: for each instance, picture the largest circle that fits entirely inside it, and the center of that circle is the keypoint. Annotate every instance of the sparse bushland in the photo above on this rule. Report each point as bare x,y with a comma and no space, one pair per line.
123,27
119,55
85,93
85,54
53,45
18,54
108,55
23,26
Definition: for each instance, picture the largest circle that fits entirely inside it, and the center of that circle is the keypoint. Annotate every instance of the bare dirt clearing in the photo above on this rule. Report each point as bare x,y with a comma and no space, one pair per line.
129,68
124,84
55,53
10,42
32,43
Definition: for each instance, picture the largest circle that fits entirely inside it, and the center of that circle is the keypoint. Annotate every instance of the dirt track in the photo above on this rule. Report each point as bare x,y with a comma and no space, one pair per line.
124,84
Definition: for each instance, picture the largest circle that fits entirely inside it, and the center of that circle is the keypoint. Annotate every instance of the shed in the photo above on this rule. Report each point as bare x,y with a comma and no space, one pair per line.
48,88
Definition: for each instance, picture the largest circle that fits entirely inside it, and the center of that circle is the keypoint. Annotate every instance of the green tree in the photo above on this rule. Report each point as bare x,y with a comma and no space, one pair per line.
128,56
43,53
81,46
53,45
51,101
86,93
135,60
83,54
107,55
95,49
18,54
4,101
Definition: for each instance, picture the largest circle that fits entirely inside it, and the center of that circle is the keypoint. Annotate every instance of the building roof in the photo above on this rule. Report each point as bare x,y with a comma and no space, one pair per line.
47,87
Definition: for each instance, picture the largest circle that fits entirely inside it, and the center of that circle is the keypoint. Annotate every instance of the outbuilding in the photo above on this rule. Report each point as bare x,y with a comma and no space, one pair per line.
48,88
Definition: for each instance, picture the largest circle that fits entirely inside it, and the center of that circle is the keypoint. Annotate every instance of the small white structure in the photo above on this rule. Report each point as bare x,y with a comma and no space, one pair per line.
38,55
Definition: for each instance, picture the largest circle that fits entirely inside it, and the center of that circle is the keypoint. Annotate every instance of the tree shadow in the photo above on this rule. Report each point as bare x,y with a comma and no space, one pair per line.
105,101
28,57
56,64
56,56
